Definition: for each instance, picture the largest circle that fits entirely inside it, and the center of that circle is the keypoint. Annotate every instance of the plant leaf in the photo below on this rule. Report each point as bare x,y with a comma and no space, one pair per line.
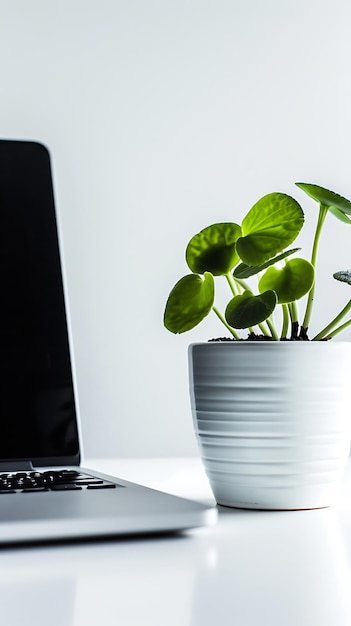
340,215
247,310
344,276
245,271
291,282
190,300
270,226
213,249
326,197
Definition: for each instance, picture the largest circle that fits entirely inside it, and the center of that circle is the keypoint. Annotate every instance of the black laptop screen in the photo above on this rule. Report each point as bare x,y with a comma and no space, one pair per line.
37,409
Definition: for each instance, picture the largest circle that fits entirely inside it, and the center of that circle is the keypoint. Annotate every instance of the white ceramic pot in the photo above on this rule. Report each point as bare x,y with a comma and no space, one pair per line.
273,420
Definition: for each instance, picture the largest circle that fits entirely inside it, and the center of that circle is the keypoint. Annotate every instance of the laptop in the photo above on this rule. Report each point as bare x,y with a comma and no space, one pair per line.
45,494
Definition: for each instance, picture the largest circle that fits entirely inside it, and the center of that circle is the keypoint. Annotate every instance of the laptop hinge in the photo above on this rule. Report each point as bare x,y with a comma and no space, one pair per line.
15,466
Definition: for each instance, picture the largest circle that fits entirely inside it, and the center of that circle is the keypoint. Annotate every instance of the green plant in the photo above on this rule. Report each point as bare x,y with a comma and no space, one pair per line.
258,247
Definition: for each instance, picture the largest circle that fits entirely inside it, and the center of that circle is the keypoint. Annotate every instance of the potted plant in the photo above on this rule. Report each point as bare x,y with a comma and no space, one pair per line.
271,408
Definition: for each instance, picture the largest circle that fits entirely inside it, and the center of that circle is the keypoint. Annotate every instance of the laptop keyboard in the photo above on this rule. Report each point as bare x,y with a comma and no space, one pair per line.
51,480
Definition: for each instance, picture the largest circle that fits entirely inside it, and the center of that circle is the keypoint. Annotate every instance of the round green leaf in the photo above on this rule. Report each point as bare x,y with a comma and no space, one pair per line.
213,249
270,226
291,282
190,300
326,197
247,310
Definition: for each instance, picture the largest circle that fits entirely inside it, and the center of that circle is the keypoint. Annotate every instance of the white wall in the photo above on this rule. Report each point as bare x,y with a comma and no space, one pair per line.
163,117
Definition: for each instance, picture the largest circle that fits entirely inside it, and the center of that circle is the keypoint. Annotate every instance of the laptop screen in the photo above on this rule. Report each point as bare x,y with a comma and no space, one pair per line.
37,408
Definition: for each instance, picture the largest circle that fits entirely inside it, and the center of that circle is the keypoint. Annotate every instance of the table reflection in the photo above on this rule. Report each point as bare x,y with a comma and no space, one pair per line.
127,582
279,568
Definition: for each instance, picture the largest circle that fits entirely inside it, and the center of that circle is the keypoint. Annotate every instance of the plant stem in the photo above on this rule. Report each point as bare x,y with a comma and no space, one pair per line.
338,330
264,330
224,321
242,284
272,329
231,283
294,316
323,333
321,217
285,326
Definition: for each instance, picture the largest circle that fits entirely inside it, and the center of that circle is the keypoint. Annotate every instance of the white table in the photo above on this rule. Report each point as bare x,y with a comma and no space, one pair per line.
276,568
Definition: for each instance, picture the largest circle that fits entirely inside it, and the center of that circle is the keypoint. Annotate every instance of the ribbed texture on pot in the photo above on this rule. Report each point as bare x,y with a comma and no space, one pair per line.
272,420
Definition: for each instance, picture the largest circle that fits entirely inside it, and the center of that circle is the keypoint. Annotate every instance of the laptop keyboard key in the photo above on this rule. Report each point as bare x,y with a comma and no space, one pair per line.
92,481
103,486
34,490
64,487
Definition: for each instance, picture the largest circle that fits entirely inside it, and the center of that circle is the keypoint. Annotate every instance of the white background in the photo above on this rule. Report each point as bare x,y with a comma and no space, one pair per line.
163,117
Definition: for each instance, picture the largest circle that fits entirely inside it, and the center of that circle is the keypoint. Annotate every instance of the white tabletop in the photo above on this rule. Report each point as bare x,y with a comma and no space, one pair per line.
276,568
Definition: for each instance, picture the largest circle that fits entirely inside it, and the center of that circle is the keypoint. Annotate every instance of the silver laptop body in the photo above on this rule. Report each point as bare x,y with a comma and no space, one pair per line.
44,493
